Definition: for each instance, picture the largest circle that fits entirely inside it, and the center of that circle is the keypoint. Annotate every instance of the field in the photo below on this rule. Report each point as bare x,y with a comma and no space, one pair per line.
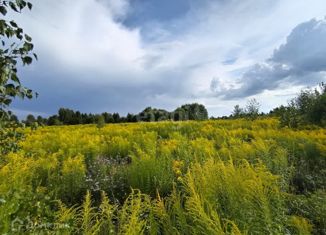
208,177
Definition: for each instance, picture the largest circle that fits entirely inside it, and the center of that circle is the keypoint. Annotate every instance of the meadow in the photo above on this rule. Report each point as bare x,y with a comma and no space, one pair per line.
192,177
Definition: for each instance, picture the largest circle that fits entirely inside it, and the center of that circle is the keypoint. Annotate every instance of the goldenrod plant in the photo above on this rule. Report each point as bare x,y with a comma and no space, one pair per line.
209,177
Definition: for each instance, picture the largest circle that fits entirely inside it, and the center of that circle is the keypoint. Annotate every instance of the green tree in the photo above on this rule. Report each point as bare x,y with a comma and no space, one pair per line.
192,112
14,118
131,118
17,48
54,121
108,117
252,109
179,114
40,120
116,117
237,111
66,116
278,111
100,121
30,120
147,115
150,114
77,118
309,107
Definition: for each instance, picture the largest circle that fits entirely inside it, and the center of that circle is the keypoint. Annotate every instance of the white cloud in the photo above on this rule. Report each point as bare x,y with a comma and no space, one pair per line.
118,8
83,36
85,41
300,61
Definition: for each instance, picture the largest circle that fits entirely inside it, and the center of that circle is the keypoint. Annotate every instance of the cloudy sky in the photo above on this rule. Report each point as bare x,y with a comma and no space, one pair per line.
124,55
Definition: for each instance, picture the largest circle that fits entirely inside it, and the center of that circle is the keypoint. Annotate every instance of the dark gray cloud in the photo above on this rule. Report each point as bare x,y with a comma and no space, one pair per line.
305,48
82,91
300,61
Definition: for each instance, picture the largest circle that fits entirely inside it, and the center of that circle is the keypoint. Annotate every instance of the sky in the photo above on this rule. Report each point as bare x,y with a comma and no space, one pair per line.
124,55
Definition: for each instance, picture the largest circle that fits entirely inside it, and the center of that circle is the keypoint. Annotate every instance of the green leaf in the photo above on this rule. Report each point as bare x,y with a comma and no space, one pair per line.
10,87
28,38
3,10
15,78
21,4
13,24
29,94
7,101
19,35
29,5
27,60
28,46
20,94
13,6
35,56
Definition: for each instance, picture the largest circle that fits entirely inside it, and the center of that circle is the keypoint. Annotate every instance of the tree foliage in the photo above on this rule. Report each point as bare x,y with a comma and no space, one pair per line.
67,116
237,111
309,107
251,111
16,48
252,108
194,111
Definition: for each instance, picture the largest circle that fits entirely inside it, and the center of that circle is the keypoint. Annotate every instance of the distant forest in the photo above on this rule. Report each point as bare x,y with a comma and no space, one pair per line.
309,107
70,117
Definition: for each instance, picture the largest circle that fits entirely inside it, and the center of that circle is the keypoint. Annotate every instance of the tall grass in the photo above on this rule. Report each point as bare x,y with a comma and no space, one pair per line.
212,177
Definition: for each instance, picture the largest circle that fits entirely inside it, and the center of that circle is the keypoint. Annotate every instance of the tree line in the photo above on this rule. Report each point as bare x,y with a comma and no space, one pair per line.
67,116
309,107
